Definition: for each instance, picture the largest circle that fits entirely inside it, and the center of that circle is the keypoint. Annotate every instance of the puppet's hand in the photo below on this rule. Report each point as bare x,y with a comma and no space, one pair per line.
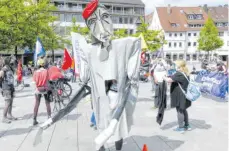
46,124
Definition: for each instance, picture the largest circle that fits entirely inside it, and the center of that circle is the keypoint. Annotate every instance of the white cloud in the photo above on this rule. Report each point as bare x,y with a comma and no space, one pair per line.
151,4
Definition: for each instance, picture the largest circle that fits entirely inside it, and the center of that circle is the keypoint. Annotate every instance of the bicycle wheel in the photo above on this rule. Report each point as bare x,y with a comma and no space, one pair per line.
67,88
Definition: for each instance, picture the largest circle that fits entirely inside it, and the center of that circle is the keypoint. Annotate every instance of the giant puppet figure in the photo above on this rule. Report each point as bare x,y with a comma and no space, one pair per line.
111,68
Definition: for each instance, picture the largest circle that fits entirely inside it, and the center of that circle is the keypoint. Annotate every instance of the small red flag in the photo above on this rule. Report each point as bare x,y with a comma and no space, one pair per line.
67,60
19,71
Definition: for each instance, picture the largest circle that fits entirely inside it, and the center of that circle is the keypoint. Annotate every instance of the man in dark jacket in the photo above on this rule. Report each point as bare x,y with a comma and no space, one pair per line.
7,74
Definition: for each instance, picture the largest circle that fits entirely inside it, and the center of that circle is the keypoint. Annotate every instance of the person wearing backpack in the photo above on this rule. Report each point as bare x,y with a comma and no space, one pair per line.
179,101
7,83
41,79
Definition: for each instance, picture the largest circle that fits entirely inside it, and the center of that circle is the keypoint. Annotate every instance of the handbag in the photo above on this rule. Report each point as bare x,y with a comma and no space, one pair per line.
193,91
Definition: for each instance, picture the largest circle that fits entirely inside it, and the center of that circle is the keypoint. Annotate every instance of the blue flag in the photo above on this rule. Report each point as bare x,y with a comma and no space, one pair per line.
39,51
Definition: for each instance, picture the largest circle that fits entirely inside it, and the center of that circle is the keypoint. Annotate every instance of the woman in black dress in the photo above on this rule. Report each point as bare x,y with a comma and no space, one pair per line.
178,99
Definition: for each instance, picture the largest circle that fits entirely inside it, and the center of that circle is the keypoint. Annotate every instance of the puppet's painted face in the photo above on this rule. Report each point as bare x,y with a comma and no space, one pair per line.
100,24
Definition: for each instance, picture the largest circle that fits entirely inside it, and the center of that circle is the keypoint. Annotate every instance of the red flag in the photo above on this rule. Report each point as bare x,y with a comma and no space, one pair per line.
67,60
19,71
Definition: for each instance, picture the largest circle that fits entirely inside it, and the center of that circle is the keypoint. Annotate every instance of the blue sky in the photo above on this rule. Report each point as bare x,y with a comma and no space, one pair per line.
151,4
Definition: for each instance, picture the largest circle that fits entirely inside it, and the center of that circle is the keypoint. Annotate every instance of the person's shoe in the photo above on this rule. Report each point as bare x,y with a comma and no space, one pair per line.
95,127
118,145
153,108
12,118
187,127
102,149
35,122
5,120
91,125
180,129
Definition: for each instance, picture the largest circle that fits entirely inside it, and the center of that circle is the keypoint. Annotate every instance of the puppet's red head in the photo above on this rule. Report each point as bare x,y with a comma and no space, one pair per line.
90,8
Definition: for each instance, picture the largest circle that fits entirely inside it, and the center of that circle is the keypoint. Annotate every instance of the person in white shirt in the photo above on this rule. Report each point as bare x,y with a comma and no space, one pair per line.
160,70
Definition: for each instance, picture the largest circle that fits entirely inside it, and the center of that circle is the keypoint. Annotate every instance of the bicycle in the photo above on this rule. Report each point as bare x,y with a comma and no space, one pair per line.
57,95
66,86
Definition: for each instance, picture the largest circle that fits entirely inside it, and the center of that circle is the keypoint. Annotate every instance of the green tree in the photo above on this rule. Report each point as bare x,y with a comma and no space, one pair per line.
78,29
209,39
120,33
154,38
22,21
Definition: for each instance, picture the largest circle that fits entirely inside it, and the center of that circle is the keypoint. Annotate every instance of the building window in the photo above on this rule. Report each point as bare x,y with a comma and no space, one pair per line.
115,19
194,44
189,34
180,44
131,20
131,31
62,17
170,44
181,34
221,34
175,34
174,57
126,20
188,57
170,34
120,20
173,25
181,56
219,24
175,44
69,17
194,34
199,16
190,17
194,57
189,44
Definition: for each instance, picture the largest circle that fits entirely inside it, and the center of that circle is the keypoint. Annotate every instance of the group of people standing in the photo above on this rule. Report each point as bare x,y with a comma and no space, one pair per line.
175,76
41,78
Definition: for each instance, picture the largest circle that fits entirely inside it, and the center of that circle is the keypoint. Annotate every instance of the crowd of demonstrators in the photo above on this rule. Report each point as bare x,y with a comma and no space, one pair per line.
7,86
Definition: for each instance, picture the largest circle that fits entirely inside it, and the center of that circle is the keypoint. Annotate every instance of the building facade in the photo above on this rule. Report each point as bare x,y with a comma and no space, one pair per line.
181,27
125,14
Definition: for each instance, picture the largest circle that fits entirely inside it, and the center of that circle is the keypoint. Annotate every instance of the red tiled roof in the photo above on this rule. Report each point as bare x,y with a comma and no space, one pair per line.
219,14
178,15
149,18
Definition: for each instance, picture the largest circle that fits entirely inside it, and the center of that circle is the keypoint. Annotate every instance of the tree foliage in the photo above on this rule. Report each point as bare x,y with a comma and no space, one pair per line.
21,21
120,33
209,39
154,38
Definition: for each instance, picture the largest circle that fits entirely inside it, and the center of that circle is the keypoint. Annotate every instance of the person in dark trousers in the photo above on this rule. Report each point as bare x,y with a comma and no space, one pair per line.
41,79
178,99
7,74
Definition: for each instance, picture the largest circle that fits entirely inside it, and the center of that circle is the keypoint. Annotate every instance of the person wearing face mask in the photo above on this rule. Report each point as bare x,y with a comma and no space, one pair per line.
178,99
160,70
7,74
